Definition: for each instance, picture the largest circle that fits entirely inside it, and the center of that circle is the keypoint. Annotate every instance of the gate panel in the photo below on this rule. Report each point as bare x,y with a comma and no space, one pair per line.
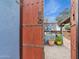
32,42
39,55
32,30
27,14
33,35
38,35
28,53
32,53
30,12
27,35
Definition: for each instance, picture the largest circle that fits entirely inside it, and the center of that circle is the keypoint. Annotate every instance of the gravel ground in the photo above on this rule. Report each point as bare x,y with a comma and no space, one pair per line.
57,52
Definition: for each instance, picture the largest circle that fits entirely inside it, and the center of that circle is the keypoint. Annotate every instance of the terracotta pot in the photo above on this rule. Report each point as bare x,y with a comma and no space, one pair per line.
51,42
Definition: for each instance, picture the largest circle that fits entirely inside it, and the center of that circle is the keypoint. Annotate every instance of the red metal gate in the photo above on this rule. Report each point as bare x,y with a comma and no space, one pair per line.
32,29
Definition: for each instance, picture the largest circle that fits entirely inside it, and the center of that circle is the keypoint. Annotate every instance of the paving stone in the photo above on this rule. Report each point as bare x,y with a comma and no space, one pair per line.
57,52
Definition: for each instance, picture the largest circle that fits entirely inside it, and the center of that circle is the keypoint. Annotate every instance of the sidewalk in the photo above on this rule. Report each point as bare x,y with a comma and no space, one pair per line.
56,52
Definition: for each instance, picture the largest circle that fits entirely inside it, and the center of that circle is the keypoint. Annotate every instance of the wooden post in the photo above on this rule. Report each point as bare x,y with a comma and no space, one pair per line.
74,18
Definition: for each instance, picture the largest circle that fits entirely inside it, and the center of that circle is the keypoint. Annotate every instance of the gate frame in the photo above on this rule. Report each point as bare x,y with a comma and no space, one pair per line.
20,30
77,23
20,43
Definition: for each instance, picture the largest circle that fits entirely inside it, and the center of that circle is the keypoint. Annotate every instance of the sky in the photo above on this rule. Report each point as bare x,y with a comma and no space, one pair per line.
52,8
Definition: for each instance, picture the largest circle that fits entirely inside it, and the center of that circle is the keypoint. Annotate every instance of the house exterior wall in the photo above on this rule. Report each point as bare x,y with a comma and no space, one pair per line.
74,18
9,29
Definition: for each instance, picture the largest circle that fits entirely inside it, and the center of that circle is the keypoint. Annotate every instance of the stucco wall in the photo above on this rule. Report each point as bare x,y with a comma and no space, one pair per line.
9,29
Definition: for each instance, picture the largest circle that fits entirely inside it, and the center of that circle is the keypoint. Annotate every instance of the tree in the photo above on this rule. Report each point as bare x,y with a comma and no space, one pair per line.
63,15
67,26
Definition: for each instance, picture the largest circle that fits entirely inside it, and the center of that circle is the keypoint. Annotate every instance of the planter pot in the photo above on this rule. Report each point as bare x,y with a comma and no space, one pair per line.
51,42
59,43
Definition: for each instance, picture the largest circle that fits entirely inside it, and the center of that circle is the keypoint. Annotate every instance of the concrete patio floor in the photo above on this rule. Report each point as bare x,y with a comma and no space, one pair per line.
57,52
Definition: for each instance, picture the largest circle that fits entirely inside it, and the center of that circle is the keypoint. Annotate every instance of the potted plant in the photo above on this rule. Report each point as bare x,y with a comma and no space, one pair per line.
51,42
59,40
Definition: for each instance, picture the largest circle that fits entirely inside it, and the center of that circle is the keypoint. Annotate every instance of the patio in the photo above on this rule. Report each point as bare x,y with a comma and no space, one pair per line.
57,52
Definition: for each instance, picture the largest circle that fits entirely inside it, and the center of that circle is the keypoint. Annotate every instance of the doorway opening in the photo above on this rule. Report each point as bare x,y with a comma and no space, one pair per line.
57,39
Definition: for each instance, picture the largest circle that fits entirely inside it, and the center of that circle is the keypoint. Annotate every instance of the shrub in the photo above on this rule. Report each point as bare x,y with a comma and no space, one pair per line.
59,39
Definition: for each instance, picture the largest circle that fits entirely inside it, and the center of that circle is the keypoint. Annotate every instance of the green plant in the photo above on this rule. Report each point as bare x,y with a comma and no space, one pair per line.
59,40
65,14
67,26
